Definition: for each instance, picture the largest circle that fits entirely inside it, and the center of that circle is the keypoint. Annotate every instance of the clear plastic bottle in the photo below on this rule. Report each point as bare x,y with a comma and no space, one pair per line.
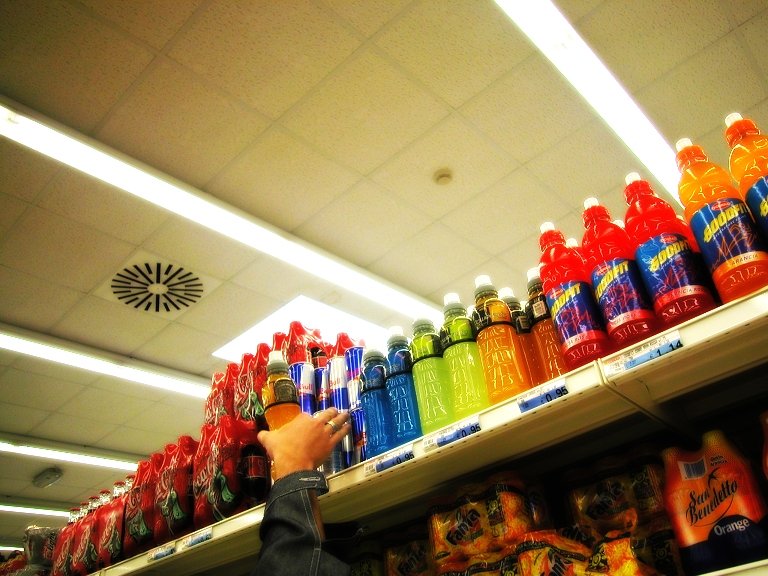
673,275
281,397
523,328
462,357
543,329
401,389
374,400
616,281
725,232
431,378
748,163
570,300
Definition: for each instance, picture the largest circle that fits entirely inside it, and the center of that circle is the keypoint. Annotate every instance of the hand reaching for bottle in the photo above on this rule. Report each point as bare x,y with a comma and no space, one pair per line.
305,442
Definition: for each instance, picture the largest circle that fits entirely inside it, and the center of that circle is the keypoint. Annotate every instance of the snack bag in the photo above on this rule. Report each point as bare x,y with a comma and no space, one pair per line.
174,501
110,544
654,543
546,553
617,558
139,517
62,552
410,559
247,399
84,556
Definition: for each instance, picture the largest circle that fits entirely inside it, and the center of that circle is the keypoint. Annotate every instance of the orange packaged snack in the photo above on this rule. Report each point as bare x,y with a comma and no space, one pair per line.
410,559
547,553
617,558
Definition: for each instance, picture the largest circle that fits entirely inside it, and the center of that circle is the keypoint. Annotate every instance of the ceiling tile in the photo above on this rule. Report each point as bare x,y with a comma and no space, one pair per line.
181,348
24,173
522,256
430,259
47,44
11,209
574,10
267,54
506,213
529,110
501,275
709,97
19,419
12,487
57,492
455,66
640,49
176,108
281,180
36,391
169,422
365,112
744,10
280,281
228,310
21,296
200,249
474,161
110,326
586,162
753,33
72,429
68,253
153,22
142,442
101,206
109,385
54,370
103,406
370,221
367,17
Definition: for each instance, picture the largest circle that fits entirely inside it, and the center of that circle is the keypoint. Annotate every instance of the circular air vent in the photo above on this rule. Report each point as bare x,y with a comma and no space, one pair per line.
157,287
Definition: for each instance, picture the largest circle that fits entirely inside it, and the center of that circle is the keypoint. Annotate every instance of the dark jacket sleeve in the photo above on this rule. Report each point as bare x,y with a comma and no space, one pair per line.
290,540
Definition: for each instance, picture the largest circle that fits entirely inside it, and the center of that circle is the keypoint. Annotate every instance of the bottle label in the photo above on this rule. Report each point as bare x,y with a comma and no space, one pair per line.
618,289
456,331
285,391
403,403
254,467
492,312
574,313
670,272
757,200
727,236
539,310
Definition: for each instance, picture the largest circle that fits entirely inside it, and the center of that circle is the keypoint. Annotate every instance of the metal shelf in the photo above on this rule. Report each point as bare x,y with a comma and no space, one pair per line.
715,346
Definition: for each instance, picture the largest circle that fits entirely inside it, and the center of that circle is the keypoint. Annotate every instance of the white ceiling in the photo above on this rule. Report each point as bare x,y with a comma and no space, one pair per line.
327,119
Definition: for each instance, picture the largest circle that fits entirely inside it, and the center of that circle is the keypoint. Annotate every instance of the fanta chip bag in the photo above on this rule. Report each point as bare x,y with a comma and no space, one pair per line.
713,501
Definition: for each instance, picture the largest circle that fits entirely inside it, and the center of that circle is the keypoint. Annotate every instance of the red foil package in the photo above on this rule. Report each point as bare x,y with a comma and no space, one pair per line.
138,535
109,546
84,556
250,380
62,552
174,500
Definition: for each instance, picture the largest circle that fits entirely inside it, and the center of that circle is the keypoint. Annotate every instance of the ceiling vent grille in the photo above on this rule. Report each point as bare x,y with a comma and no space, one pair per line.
157,287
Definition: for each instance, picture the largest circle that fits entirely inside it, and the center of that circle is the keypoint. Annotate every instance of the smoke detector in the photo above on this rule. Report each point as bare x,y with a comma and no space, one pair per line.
157,287
47,477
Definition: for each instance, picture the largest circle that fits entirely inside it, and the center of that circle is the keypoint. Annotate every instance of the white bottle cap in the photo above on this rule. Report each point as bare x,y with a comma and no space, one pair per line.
451,298
483,280
506,292
572,243
533,273
683,143
731,118
619,222
591,203
546,227
275,356
631,177
523,304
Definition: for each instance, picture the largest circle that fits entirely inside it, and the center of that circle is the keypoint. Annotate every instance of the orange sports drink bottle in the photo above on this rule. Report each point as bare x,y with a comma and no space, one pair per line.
720,220
748,163
543,330
280,395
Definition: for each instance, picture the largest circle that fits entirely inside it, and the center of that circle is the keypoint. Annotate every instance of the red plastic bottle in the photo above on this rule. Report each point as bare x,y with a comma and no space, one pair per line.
672,274
720,220
570,300
616,281
748,163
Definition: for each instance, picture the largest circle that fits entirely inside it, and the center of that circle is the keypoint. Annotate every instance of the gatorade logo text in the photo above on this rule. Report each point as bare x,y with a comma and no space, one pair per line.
666,253
611,275
731,213
702,505
569,293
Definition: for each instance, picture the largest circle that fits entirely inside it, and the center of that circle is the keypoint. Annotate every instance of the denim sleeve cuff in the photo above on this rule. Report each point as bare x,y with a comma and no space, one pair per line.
302,480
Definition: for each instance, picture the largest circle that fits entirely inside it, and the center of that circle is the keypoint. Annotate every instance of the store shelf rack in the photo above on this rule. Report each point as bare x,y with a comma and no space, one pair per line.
641,379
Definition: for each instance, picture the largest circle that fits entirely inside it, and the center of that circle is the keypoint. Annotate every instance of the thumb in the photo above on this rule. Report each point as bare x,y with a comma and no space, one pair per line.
263,438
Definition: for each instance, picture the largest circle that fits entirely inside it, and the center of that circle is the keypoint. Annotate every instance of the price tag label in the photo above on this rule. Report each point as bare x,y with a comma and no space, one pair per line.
645,352
161,552
197,538
542,394
404,454
452,433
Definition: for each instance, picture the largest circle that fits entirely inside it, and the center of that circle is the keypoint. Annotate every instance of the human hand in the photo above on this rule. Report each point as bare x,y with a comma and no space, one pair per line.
305,442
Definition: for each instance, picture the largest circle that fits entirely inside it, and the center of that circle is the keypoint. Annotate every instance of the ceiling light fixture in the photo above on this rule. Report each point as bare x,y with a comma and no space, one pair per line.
46,348
554,36
67,456
34,511
11,548
97,160
316,315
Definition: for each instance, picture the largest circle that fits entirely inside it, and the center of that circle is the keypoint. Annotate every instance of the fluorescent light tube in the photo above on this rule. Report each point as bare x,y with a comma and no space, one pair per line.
110,166
313,314
48,349
34,511
67,456
554,36
11,548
